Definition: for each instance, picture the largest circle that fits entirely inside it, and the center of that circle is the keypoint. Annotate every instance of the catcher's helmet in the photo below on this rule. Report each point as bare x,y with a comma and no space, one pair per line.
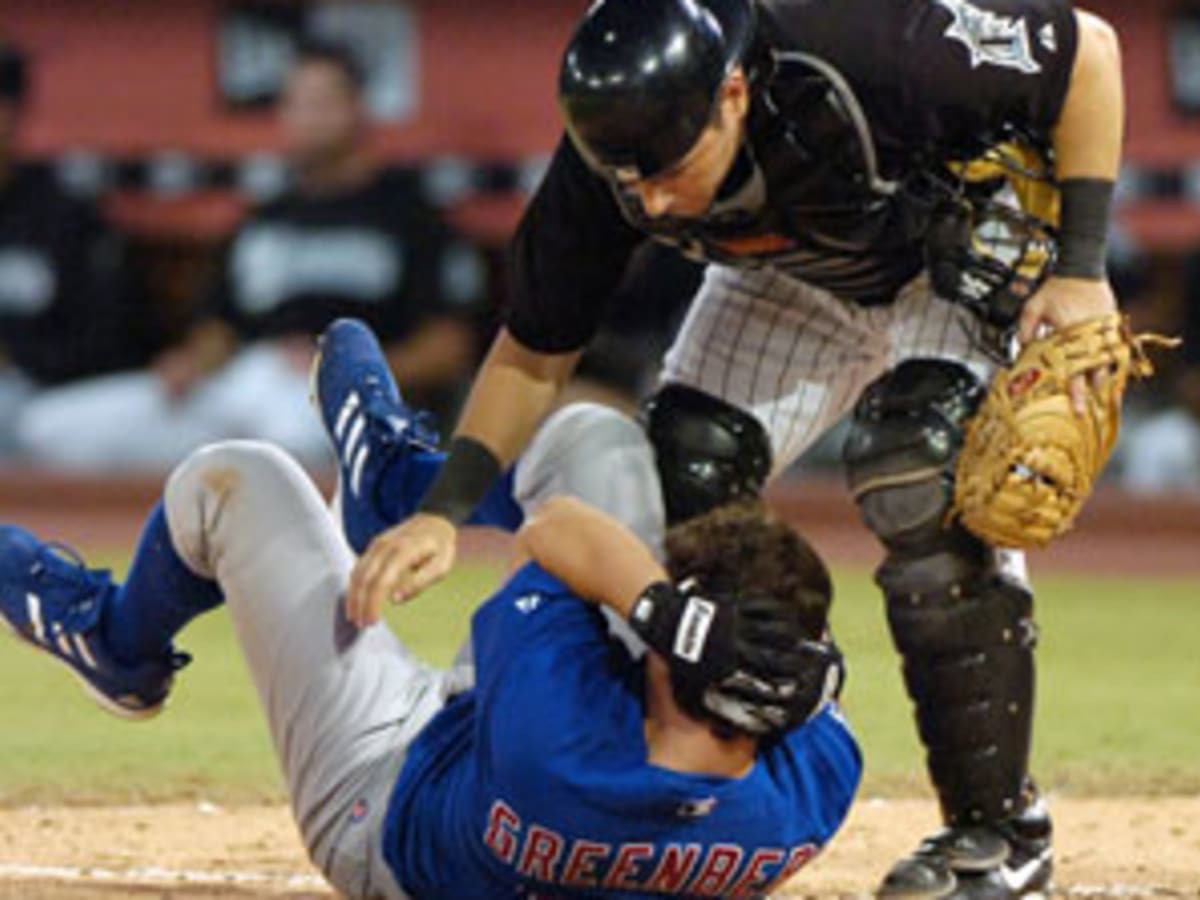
640,78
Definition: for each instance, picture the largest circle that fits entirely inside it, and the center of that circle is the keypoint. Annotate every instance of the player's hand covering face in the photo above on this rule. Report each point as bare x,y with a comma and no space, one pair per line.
743,660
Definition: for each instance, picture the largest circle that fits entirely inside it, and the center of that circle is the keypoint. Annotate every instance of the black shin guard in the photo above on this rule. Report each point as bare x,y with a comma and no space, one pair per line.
967,645
963,629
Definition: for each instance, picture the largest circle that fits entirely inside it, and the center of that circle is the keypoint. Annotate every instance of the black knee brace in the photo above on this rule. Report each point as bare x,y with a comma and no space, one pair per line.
963,629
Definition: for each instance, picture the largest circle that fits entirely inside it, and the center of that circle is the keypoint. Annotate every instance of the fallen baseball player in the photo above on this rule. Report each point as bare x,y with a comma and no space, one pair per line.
555,763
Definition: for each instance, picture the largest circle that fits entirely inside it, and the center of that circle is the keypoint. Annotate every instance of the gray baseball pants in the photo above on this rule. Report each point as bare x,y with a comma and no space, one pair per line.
342,705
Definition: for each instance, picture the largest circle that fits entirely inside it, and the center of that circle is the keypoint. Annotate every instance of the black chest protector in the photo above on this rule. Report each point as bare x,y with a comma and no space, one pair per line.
812,197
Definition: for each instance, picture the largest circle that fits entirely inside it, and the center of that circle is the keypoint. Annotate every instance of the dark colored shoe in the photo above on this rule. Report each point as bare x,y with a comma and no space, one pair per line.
966,860
1030,864
368,423
53,602
932,871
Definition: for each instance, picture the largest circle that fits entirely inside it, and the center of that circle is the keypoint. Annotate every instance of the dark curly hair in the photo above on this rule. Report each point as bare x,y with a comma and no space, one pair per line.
742,548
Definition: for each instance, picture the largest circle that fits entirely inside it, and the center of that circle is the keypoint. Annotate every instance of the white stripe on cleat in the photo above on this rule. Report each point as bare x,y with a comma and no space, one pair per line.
353,440
33,606
356,470
348,407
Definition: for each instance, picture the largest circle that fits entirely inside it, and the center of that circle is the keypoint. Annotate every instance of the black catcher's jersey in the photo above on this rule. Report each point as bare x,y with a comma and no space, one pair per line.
856,108
377,251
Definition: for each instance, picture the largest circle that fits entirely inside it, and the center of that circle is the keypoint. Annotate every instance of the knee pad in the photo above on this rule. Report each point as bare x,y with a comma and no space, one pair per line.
906,432
963,628
708,452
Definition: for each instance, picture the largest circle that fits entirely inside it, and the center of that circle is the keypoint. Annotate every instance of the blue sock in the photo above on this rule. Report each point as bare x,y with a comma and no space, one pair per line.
402,487
159,597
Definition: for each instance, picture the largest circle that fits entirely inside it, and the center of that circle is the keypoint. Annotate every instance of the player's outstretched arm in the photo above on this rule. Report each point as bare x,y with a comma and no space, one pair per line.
1087,148
594,555
512,393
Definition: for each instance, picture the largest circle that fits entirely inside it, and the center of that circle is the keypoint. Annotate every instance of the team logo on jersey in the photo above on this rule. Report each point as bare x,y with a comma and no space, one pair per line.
527,603
991,39
1048,37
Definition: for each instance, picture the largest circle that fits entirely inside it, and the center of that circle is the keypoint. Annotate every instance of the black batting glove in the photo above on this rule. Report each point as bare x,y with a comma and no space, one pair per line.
816,674
693,633
738,659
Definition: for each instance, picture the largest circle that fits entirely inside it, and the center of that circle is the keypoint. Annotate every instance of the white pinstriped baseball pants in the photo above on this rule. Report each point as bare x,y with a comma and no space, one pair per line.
797,357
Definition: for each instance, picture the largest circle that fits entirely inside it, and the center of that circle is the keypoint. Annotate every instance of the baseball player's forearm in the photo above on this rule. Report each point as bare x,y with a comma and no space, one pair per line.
1088,135
594,555
513,391
1087,150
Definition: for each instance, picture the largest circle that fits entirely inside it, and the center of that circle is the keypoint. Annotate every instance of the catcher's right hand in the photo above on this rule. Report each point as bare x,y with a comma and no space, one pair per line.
1062,303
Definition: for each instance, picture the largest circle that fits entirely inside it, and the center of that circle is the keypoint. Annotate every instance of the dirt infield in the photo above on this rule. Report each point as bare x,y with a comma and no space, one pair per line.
1127,848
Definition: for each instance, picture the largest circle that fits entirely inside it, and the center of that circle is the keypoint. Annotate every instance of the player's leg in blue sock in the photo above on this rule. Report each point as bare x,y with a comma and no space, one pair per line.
160,596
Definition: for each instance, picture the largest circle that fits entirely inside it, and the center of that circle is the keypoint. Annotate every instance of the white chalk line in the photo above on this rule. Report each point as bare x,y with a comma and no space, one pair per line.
158,875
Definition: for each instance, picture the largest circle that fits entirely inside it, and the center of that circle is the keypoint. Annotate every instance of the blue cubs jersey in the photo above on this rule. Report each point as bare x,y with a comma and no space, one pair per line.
536,782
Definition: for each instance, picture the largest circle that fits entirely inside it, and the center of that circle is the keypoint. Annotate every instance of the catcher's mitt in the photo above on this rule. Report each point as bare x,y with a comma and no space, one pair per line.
1029,461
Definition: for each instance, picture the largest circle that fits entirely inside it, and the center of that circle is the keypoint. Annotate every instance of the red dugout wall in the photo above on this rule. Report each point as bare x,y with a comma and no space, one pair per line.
133,77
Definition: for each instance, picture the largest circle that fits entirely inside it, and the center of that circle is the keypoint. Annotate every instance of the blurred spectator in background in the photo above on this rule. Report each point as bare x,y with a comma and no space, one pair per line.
66,306
1162,451
345,240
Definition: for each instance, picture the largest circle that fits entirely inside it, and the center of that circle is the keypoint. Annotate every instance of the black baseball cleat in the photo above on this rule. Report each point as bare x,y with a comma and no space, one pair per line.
932,871
1026,872
1008,860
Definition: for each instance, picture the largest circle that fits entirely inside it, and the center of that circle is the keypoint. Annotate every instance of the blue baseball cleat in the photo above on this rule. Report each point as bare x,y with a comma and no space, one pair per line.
51,600
368,423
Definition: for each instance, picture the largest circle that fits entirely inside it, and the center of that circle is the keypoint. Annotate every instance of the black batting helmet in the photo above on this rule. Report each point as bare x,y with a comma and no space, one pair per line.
640,78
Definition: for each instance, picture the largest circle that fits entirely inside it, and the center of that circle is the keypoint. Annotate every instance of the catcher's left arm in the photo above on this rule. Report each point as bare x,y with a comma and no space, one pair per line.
1049,422
1087,157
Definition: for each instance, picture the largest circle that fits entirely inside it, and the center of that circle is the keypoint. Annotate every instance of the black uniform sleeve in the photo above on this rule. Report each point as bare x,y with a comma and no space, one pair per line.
568,255
971,67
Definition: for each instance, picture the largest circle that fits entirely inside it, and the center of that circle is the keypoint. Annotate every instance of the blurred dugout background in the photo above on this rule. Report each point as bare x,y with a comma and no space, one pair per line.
142,136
